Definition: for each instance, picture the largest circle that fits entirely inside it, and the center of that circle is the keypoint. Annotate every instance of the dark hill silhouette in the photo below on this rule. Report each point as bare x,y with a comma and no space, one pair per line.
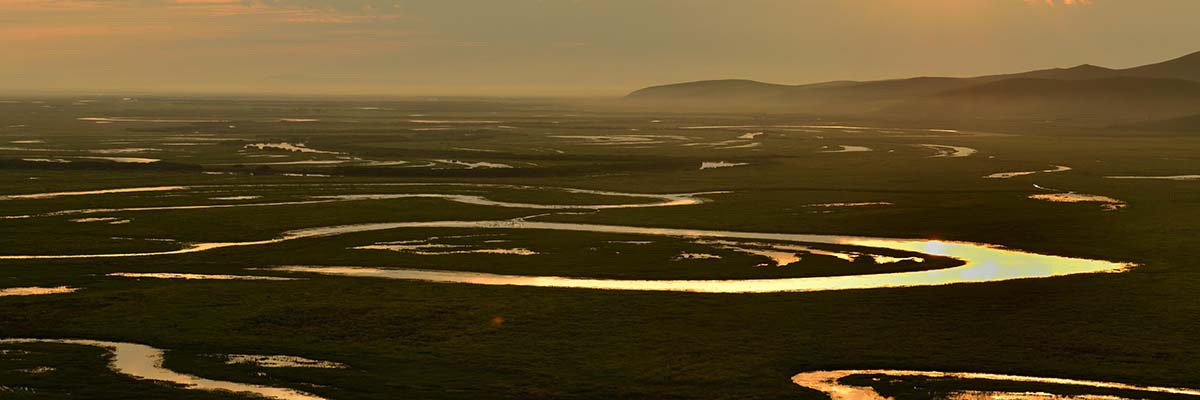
726,88
1085,71
1186,67
1163,89
1107,100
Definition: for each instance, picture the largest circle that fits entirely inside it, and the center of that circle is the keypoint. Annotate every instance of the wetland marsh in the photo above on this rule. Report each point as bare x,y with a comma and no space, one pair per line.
519,249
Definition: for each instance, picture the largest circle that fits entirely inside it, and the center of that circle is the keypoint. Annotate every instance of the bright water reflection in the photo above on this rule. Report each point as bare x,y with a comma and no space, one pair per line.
51,195
1006,175
145,362
845,149
944,150
982,262
34,291
664,200
720,164
278,361
173,275
827,382
1107,203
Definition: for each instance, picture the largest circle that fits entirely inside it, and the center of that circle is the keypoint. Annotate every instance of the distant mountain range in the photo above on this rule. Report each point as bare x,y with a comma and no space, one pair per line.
1169,89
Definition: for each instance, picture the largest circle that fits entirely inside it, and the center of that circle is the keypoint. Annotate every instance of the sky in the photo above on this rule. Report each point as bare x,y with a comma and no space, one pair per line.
560,47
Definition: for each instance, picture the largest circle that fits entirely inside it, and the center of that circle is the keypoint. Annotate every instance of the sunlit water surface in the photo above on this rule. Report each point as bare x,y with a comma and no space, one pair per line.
981,262
34,291
145,362
827,382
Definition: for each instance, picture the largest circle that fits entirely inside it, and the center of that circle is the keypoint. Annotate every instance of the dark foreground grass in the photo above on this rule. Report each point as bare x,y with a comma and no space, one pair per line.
443,341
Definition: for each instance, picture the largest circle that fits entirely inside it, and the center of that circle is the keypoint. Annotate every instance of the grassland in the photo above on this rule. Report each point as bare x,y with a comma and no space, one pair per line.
426,340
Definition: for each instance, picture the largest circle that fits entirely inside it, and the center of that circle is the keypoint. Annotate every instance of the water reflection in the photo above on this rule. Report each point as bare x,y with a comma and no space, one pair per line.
844,149
295,148
277,361
1006,175
110,220
235,198
50,195
1107,203
34,291
742,146
173,275
696,256
165,208
145,362
950,151
126,150
427,248
858,204
474,165
125,160
784,254
720,164
665,200
981,262
777,257
827,382
621,140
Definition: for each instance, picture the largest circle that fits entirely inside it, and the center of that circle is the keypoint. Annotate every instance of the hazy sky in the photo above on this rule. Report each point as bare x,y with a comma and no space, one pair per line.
562,47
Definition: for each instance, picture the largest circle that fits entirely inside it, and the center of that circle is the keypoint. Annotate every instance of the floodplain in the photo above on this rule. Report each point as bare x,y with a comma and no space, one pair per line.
519,249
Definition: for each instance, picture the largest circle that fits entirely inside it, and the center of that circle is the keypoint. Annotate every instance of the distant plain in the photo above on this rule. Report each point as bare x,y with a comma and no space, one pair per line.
781,173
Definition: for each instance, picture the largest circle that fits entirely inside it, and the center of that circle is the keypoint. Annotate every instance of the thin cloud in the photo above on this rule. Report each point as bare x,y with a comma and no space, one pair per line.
1061,2
48,32
16,6
310,12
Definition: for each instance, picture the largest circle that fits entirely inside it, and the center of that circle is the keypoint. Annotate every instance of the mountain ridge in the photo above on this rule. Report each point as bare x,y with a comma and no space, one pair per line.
1122,94
1184,67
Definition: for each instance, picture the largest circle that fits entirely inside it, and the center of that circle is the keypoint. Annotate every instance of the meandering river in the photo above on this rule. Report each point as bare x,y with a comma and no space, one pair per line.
982,262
